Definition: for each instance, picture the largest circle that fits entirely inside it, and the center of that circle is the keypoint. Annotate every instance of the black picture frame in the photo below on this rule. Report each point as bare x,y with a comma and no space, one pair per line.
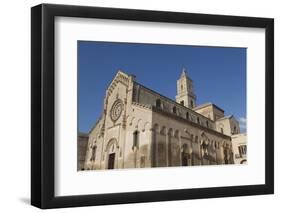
43,102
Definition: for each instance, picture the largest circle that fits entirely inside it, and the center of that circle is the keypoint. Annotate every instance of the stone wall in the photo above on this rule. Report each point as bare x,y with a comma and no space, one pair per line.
239,141
211,111
81,150
133,132
229,125
187,144
148,97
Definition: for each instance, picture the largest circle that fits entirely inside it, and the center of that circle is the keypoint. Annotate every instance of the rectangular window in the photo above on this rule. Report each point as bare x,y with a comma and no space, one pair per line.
93,157
242,150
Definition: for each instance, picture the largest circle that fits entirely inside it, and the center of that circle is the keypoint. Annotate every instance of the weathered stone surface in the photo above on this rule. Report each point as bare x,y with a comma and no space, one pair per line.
145,129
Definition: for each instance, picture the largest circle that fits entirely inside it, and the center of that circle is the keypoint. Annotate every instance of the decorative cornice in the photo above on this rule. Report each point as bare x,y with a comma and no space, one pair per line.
120,77
95,124
142,105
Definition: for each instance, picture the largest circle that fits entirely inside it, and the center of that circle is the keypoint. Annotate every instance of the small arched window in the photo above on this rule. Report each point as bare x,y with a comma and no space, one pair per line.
158,103
207,123
136,139
176,134
198,120
93,157
163,131
191,103
174,110
204,148
234,129
187,115
182,103
221,130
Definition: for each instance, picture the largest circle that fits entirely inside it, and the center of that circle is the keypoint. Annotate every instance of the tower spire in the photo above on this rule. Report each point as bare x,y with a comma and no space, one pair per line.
184,72
185,93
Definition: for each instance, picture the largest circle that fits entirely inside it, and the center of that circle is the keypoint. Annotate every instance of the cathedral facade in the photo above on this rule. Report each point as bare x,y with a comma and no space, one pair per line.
140,128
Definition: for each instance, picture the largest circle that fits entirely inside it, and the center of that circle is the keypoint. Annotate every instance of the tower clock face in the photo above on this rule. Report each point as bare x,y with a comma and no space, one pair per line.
116,110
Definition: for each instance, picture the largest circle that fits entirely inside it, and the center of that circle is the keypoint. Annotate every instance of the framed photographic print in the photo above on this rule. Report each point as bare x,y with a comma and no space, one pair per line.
140,106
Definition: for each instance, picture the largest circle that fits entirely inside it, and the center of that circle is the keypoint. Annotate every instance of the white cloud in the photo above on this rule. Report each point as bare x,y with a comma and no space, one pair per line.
242,123
242,119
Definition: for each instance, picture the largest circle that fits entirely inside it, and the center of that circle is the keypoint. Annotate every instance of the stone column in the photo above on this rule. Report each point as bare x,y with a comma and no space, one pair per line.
167,149
149,148
180,147
153,148
169,142
219,151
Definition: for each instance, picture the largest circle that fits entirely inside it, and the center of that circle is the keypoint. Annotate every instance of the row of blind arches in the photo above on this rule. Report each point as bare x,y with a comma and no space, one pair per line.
136,139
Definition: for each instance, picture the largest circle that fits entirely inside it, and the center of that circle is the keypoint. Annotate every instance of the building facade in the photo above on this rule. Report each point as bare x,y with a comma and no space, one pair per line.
81,150
239,144
140,128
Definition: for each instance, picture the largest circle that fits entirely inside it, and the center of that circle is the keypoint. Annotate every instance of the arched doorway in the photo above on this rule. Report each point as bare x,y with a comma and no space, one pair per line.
243,162
111,161
205,153
111,150
184,155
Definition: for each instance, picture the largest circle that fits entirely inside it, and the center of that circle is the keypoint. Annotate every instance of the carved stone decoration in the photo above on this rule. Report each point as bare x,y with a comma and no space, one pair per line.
116,110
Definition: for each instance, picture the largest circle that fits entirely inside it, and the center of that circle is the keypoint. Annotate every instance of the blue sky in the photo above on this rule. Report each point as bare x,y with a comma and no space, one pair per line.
218,74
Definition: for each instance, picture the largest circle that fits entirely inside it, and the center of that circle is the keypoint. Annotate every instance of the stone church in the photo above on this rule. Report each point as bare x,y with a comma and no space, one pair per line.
140,128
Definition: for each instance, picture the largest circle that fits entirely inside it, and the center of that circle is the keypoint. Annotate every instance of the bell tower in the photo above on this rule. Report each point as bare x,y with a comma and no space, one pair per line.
185,93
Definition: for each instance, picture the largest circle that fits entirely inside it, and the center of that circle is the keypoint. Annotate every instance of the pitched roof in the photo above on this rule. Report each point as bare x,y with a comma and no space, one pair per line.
171,100
207,104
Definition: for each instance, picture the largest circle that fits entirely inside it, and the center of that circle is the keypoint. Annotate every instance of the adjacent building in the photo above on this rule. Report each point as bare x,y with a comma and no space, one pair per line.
239,144
81,150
